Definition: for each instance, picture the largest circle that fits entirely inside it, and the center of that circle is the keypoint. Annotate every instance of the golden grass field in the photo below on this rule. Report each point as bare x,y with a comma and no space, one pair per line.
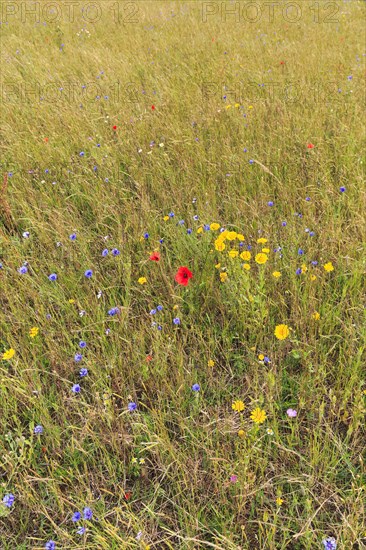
228,138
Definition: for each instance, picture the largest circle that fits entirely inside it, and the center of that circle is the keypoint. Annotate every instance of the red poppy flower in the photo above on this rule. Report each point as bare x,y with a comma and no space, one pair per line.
153,107
148,358
114,127
155,256
310,146
282,62
183,275
46,140
128,495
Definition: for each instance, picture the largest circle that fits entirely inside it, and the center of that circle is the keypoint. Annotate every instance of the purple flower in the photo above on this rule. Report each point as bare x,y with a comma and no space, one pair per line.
82,344
132,406
284,224
76,388
83,372
38,429
115,252
105,252
8,500
88,514
196,387
298,271
50,545
52,277
176,321
291,413
113,311
88,273
342,189
300,252
270,203
78,357
81,530
330,543
23,270
76,517
72,237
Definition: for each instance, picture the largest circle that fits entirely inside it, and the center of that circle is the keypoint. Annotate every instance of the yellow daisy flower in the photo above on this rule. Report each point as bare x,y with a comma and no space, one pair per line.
282,332
233,253
246,267
214,226
328,267
261,258
220,246
266,250
316,315
258,415
223,276
246,255
142,280
33,332
238,406
8,354
276,274
240,237
210,363
262,240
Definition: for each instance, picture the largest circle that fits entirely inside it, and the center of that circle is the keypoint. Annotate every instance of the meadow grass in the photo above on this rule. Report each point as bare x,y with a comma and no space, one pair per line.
197,134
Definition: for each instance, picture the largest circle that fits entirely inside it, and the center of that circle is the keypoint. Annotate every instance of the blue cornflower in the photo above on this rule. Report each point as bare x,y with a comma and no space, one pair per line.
81,154
314,262
76,517
81,530
82,344
245,150
26,234
329,543
113,311
349,77
176,321
132,406
1,265
196,387
50,545
115,252
270,203
76,388
251,161
249,247
181,222
38,429
222,229
83,372
161,241
267,359
23,270
342,189
88,514
52,277
171,214
72,237
152,311
78,357
8,500
159,327
307,199
284,224
159,308
300,252
298,271
146,235
88,273
189,231
105,252
196,218
206,227
311,233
